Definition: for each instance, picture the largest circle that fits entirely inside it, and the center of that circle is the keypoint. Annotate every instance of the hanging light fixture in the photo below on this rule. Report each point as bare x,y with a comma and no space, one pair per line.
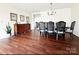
51,11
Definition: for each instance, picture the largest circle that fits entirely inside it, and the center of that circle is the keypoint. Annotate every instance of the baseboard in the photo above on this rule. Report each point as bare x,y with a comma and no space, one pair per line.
76,36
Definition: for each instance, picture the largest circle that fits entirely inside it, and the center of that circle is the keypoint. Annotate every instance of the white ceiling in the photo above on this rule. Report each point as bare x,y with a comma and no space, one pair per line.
35,7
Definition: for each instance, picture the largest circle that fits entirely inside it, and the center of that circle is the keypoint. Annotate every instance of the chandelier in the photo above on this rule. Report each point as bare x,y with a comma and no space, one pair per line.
51,11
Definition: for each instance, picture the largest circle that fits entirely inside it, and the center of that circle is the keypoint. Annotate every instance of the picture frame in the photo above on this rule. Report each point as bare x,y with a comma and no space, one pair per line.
22,18
13,17
27,19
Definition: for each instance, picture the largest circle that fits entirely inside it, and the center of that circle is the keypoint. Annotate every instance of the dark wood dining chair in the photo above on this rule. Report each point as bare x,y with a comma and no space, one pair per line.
71,28
60,29
42,28
36,26
50,27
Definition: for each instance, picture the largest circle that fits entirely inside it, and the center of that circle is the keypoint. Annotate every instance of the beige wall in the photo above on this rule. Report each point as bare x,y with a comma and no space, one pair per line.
75,17
5,18
63,14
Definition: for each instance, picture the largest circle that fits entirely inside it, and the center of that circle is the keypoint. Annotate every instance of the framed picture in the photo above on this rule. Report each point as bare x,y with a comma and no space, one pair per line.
27,19
22,18
13,17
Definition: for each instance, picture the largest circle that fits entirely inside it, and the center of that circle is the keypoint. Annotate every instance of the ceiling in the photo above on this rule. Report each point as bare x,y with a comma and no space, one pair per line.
36,7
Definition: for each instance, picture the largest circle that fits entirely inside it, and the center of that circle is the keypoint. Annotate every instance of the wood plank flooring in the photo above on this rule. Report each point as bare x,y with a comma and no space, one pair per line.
31,43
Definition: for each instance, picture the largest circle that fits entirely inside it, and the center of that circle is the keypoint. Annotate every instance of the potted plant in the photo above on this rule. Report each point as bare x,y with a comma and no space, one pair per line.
8,29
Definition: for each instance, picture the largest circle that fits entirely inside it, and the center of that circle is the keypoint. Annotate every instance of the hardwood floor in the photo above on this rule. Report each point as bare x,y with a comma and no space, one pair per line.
34,44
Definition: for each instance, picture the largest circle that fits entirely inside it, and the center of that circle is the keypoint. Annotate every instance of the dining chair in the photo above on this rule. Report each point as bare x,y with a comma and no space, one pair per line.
50,27
36,26
71,28
60,29
42,28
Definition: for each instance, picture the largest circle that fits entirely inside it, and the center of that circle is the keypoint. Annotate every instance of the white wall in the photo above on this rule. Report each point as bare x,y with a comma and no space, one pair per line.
5,18
65,14
75,17
61,15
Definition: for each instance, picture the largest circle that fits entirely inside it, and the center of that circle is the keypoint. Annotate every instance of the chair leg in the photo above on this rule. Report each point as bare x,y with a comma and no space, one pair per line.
63,36
44,34
70,34
71,37
47,35
40,33
57,37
